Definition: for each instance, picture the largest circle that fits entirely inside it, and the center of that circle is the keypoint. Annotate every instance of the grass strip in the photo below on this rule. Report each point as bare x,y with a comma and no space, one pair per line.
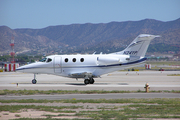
173,75
138,111
49,119
33,92
142,108
16,108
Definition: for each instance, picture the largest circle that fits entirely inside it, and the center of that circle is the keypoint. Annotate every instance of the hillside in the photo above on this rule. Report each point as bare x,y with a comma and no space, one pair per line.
88,37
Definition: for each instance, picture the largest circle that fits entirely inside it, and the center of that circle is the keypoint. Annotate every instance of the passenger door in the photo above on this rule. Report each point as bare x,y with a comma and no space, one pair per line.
57,64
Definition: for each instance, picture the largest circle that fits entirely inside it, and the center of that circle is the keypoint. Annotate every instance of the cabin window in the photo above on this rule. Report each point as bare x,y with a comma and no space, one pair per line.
127,58
49,60
66,60
82,59
74,59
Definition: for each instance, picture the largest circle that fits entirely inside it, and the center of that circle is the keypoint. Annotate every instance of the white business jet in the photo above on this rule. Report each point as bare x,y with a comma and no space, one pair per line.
91,66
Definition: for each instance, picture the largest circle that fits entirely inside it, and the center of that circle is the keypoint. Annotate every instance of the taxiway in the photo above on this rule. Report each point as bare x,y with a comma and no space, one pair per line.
131,81
93,96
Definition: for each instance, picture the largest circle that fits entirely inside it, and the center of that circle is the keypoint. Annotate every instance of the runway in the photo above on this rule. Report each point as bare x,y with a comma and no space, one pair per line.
128,81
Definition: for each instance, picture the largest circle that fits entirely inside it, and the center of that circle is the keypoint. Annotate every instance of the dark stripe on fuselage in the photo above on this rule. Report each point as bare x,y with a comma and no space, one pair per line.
134,62
129,63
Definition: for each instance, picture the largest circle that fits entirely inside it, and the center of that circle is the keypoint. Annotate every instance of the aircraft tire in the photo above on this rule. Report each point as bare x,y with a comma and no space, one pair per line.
86,81
34,81
91,81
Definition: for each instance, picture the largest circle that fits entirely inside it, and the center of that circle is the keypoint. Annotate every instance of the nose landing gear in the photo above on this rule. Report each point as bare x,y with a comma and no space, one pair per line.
34,81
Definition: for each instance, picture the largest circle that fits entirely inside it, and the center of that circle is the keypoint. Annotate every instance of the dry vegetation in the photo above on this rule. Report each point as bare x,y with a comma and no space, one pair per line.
90,109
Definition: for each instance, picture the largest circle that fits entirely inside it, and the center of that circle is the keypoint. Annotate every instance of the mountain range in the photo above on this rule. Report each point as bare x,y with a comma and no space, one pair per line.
87,38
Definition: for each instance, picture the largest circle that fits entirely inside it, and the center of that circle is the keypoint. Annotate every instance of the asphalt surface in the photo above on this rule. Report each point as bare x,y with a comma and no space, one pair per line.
127,81
94,96
131,81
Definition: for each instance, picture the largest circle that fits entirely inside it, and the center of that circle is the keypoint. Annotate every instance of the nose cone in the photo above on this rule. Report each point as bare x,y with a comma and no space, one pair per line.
31,68
20,69
26,68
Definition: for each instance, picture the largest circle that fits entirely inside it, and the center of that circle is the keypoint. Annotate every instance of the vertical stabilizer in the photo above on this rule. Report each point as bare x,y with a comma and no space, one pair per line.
138,46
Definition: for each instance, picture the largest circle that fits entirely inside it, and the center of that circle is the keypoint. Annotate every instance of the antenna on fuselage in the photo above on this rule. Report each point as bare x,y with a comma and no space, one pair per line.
94,53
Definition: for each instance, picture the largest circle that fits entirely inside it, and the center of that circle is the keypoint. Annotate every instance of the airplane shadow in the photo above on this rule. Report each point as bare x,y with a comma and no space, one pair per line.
80,84
77,84
123,84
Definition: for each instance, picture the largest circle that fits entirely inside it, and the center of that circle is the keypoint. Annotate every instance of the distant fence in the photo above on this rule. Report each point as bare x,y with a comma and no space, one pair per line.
10,67
148,66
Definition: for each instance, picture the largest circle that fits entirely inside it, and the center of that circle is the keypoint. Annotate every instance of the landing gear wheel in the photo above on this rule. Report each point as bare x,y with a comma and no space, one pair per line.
34,81
91,81
86,81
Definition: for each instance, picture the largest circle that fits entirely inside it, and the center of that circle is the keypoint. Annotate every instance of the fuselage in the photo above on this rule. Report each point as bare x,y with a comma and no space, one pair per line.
75,65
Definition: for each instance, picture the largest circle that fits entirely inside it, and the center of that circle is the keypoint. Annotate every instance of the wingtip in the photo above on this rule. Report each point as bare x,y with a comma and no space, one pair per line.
158,36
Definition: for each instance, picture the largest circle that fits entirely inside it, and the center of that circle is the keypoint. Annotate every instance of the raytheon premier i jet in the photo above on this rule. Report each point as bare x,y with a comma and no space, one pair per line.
91,66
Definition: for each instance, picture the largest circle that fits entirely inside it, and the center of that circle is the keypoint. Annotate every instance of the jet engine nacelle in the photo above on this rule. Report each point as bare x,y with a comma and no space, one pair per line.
108,60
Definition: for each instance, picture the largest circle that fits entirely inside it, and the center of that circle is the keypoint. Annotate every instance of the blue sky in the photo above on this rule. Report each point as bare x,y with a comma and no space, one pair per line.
44,13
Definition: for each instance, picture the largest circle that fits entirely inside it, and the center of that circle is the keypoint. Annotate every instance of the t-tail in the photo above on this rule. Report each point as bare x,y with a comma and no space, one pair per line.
138,46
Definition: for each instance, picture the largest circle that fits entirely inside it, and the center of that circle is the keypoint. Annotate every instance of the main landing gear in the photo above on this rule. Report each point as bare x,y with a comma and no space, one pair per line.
34,81
89,81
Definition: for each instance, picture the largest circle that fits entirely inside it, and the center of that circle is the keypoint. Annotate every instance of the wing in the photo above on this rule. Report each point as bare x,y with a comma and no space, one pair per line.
81,75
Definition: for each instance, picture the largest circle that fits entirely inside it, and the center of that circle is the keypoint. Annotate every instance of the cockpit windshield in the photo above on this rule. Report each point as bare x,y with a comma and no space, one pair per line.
43,60
46,60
